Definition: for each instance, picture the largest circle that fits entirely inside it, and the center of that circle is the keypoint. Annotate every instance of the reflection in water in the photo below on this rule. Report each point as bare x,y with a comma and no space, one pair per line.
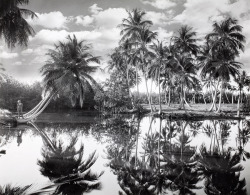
65,167
169,164
155,157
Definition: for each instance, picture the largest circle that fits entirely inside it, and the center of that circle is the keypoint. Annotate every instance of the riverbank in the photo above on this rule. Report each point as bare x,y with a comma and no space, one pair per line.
195,112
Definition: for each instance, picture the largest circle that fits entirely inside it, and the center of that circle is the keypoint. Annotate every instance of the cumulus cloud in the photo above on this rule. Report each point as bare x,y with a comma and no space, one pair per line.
160,4
52,20
53,36
27,51
18,63
95,9
201,14
159,18
163,34
84,20
7,55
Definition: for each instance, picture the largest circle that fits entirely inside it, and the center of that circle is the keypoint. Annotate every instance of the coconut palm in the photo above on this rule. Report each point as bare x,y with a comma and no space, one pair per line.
222,173
243,81
11,190
185,41
13,27
130,27
227,34
159,64
185,71
65,167
69,70
223,45
142,53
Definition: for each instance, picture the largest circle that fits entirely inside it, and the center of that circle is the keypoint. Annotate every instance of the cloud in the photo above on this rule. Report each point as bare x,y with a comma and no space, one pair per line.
84,20
159,18
7,55
163,34
201,14
27,51
94,9
52,20
53,36
18,63
160,4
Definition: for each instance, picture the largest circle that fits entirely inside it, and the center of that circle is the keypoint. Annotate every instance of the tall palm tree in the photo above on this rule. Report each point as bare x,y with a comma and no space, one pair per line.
69,71
65,167
185,70
185,41
159,64
141,41
242,80
130,27
13,27
224,44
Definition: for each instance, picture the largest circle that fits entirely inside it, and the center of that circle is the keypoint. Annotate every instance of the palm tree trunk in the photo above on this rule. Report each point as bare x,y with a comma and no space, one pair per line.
137,84
214,96
238,105
169,96
137,137
146,81
129,92
221,91
159,141
159,88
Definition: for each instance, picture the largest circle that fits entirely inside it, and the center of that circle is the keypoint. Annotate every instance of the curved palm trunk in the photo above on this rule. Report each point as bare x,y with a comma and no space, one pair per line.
214,96
182,106
221,92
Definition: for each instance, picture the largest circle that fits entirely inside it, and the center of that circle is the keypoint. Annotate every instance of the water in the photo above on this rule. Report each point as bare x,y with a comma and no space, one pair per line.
198,157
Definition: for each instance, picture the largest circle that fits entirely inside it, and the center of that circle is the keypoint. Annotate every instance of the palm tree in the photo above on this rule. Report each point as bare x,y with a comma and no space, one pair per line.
121,60
222,173
185,71
68,70
65,167
144,56
13,27
223,45
159,64
11,190
242,81
185,41
130,27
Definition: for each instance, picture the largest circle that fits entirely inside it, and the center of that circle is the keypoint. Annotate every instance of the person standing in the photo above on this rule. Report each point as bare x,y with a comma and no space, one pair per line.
19,108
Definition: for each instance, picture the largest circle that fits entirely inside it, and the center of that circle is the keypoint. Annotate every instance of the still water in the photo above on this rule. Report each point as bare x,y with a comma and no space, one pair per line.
127,155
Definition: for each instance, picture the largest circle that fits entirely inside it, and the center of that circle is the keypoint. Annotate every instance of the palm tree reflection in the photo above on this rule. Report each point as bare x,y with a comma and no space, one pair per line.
65,167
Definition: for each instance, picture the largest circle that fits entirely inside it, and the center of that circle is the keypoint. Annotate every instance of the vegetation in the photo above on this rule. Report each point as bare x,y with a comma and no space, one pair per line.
13,27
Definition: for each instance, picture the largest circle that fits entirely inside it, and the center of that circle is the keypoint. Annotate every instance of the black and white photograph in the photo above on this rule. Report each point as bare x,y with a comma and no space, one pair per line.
125,97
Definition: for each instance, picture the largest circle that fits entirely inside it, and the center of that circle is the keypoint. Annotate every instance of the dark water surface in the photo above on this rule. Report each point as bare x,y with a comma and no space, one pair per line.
127,154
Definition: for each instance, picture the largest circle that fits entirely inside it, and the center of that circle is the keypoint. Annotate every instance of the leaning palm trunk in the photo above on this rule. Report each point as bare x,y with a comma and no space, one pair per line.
214,96
159,141
169,96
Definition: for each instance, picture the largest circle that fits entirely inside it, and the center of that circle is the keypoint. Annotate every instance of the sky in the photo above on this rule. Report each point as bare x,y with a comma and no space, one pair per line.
96,22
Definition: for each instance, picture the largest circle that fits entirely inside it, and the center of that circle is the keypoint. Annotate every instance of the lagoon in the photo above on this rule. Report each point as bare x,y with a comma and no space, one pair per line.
198,157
